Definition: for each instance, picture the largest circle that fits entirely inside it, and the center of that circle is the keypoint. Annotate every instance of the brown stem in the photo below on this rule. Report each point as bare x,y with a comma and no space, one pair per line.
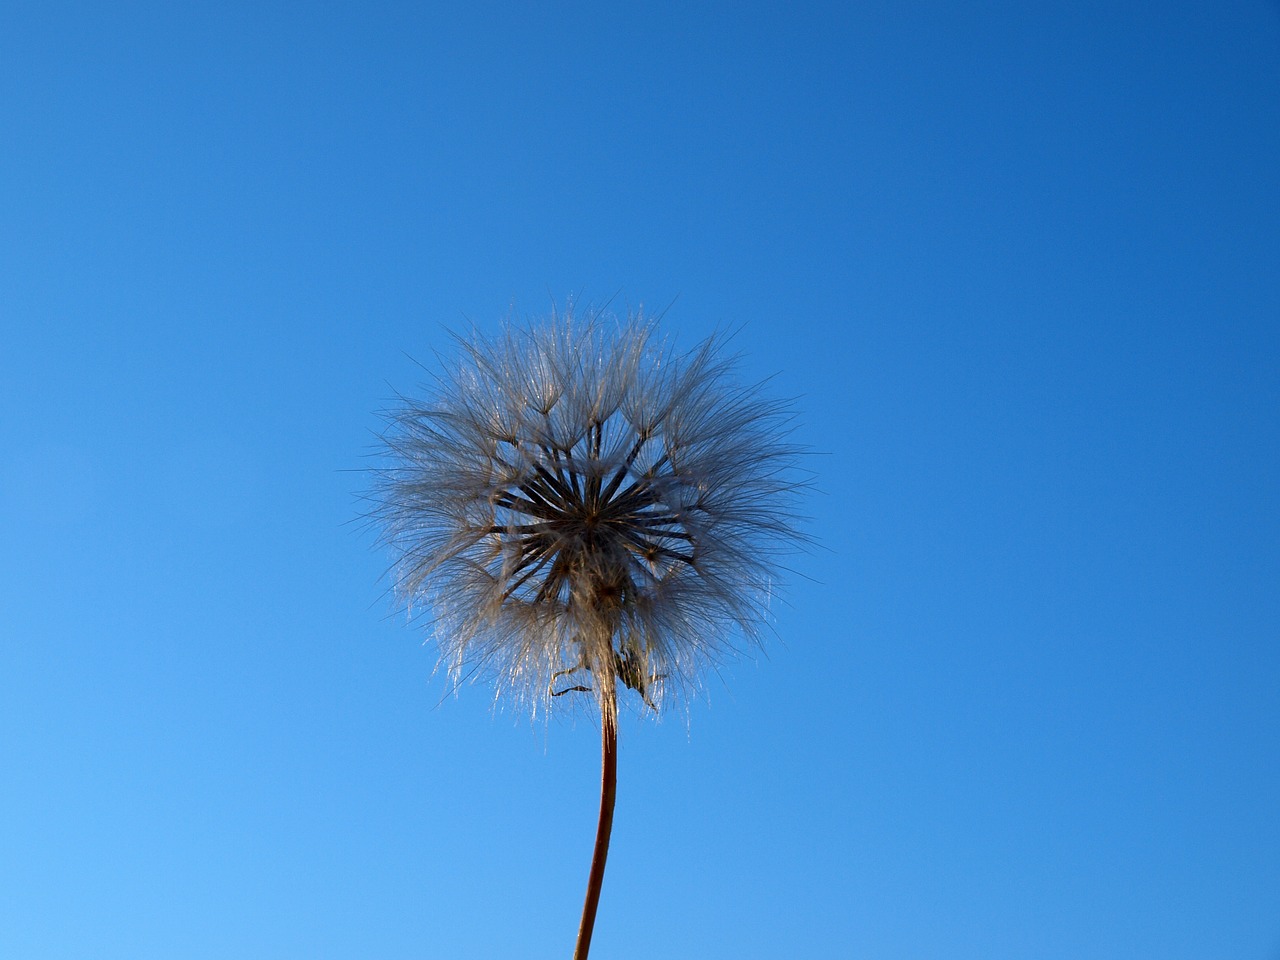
608,791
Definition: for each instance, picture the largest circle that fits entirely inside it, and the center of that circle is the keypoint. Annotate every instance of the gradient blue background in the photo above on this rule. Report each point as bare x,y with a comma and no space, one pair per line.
1020,263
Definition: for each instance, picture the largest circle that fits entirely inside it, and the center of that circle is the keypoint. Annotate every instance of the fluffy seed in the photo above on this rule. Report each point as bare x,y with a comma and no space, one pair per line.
578,504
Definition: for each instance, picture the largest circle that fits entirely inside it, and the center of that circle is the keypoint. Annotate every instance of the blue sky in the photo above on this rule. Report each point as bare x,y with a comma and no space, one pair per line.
1020,265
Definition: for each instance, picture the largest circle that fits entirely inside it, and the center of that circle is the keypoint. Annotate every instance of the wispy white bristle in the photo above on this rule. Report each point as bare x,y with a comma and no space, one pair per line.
573,499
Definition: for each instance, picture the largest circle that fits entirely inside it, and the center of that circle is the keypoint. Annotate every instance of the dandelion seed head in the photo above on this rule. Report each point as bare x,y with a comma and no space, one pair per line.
575,501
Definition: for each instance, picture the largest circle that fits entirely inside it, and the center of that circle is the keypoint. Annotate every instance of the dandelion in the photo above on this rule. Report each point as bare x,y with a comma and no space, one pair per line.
582,508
